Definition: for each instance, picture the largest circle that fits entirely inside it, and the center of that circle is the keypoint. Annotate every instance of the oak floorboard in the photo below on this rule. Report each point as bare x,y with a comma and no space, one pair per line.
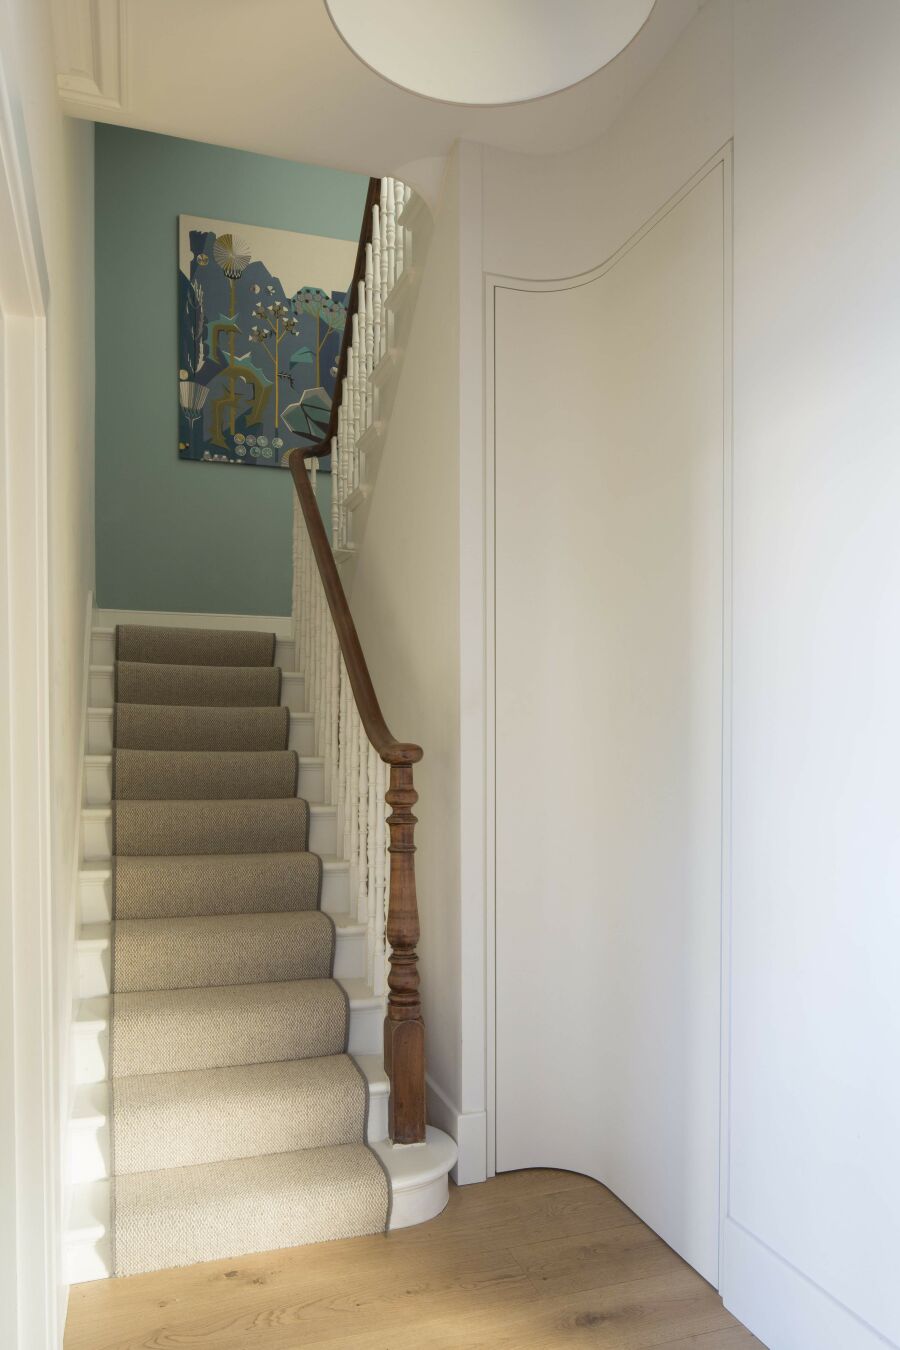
533,1260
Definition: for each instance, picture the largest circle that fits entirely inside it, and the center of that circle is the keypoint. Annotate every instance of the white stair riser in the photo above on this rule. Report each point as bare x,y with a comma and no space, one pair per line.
95,892
99,732
85,1261
92,963
96,828
89,1141
91,1043
101,689
98,782
103,649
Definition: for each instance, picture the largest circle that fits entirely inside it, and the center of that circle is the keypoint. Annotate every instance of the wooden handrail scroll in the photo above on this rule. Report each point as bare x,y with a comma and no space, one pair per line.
404,1029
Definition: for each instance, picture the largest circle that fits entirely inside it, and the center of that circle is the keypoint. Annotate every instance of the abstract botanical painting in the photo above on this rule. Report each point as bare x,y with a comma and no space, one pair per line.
261,317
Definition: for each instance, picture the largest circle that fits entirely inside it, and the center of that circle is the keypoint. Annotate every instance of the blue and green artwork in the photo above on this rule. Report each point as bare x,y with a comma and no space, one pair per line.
261,318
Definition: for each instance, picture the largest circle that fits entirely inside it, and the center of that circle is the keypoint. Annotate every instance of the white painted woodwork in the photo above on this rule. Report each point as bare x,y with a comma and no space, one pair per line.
373,362
91,54
282,625
414,513
348,774
609,655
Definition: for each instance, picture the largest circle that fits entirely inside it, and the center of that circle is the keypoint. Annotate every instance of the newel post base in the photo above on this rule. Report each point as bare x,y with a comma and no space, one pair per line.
404,1063
404,1030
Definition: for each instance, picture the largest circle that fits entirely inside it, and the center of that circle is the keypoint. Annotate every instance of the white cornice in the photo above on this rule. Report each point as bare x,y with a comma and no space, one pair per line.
91,62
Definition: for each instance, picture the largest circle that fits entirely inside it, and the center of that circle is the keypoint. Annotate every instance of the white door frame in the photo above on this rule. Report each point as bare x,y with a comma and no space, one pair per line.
30,1185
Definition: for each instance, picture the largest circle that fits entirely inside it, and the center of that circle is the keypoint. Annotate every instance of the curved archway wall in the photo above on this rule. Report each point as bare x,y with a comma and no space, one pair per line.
173,535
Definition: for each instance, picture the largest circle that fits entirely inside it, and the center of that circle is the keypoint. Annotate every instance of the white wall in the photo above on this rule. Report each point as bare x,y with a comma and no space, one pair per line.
61,156
813,1232
810,1198
557,215
609,613
404,598
549,218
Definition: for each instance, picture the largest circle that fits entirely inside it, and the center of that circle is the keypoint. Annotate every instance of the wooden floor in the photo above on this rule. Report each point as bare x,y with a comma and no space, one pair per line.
528,1261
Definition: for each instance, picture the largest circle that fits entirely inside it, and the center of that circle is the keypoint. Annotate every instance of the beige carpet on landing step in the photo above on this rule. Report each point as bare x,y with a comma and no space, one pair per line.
238,1120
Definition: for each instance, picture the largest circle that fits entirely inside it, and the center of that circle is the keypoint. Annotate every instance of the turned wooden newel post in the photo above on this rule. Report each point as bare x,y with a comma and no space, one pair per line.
404,1030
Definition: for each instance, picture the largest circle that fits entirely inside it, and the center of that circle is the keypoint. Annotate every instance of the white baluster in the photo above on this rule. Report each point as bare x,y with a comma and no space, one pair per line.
353,798
377,306
370,330
362,798
391,235
335,501
351,420
342,842
399,230
356,404
346,457
371,793
379,959
386,906
305,602
333,790
318,705
363,360
327,709
297,584
407,233
383,277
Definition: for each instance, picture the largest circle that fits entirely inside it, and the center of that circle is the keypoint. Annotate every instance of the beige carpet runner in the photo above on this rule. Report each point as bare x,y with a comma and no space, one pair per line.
238,1120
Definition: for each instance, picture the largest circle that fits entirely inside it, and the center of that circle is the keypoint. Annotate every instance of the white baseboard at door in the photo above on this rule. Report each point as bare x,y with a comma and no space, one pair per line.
468,1128
781,1306
280,624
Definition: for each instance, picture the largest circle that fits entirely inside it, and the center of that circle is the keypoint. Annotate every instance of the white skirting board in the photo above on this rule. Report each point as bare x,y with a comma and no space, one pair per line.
468,1128
282,625
783,1308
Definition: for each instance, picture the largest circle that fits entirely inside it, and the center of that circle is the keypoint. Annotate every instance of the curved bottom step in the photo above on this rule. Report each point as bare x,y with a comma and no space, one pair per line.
418,1174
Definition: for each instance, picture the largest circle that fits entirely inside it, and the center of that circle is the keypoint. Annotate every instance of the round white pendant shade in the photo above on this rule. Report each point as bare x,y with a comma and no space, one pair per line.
487,51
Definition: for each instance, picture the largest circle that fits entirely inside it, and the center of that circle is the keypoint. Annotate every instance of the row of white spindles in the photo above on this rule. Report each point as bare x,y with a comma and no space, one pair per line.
371,337
356,779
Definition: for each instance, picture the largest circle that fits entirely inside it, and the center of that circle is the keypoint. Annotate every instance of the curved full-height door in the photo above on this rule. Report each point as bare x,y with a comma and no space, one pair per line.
610,479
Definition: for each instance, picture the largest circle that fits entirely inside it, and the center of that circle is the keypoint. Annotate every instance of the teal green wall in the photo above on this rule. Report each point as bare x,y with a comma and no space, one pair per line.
171,534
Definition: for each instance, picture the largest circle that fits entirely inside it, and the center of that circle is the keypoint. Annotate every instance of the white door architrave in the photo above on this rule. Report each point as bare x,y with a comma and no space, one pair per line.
30,1189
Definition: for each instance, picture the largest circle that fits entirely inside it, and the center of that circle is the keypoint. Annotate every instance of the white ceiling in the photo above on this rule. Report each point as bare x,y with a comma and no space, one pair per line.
273,76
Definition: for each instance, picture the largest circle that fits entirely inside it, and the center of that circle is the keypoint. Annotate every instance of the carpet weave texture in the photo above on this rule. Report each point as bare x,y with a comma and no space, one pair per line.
238,1120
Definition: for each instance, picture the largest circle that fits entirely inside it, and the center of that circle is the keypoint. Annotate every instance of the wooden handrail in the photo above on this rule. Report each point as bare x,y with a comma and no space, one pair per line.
404,1029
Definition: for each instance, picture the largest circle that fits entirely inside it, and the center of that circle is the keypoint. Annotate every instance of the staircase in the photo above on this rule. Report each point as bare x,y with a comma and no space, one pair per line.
231,1094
